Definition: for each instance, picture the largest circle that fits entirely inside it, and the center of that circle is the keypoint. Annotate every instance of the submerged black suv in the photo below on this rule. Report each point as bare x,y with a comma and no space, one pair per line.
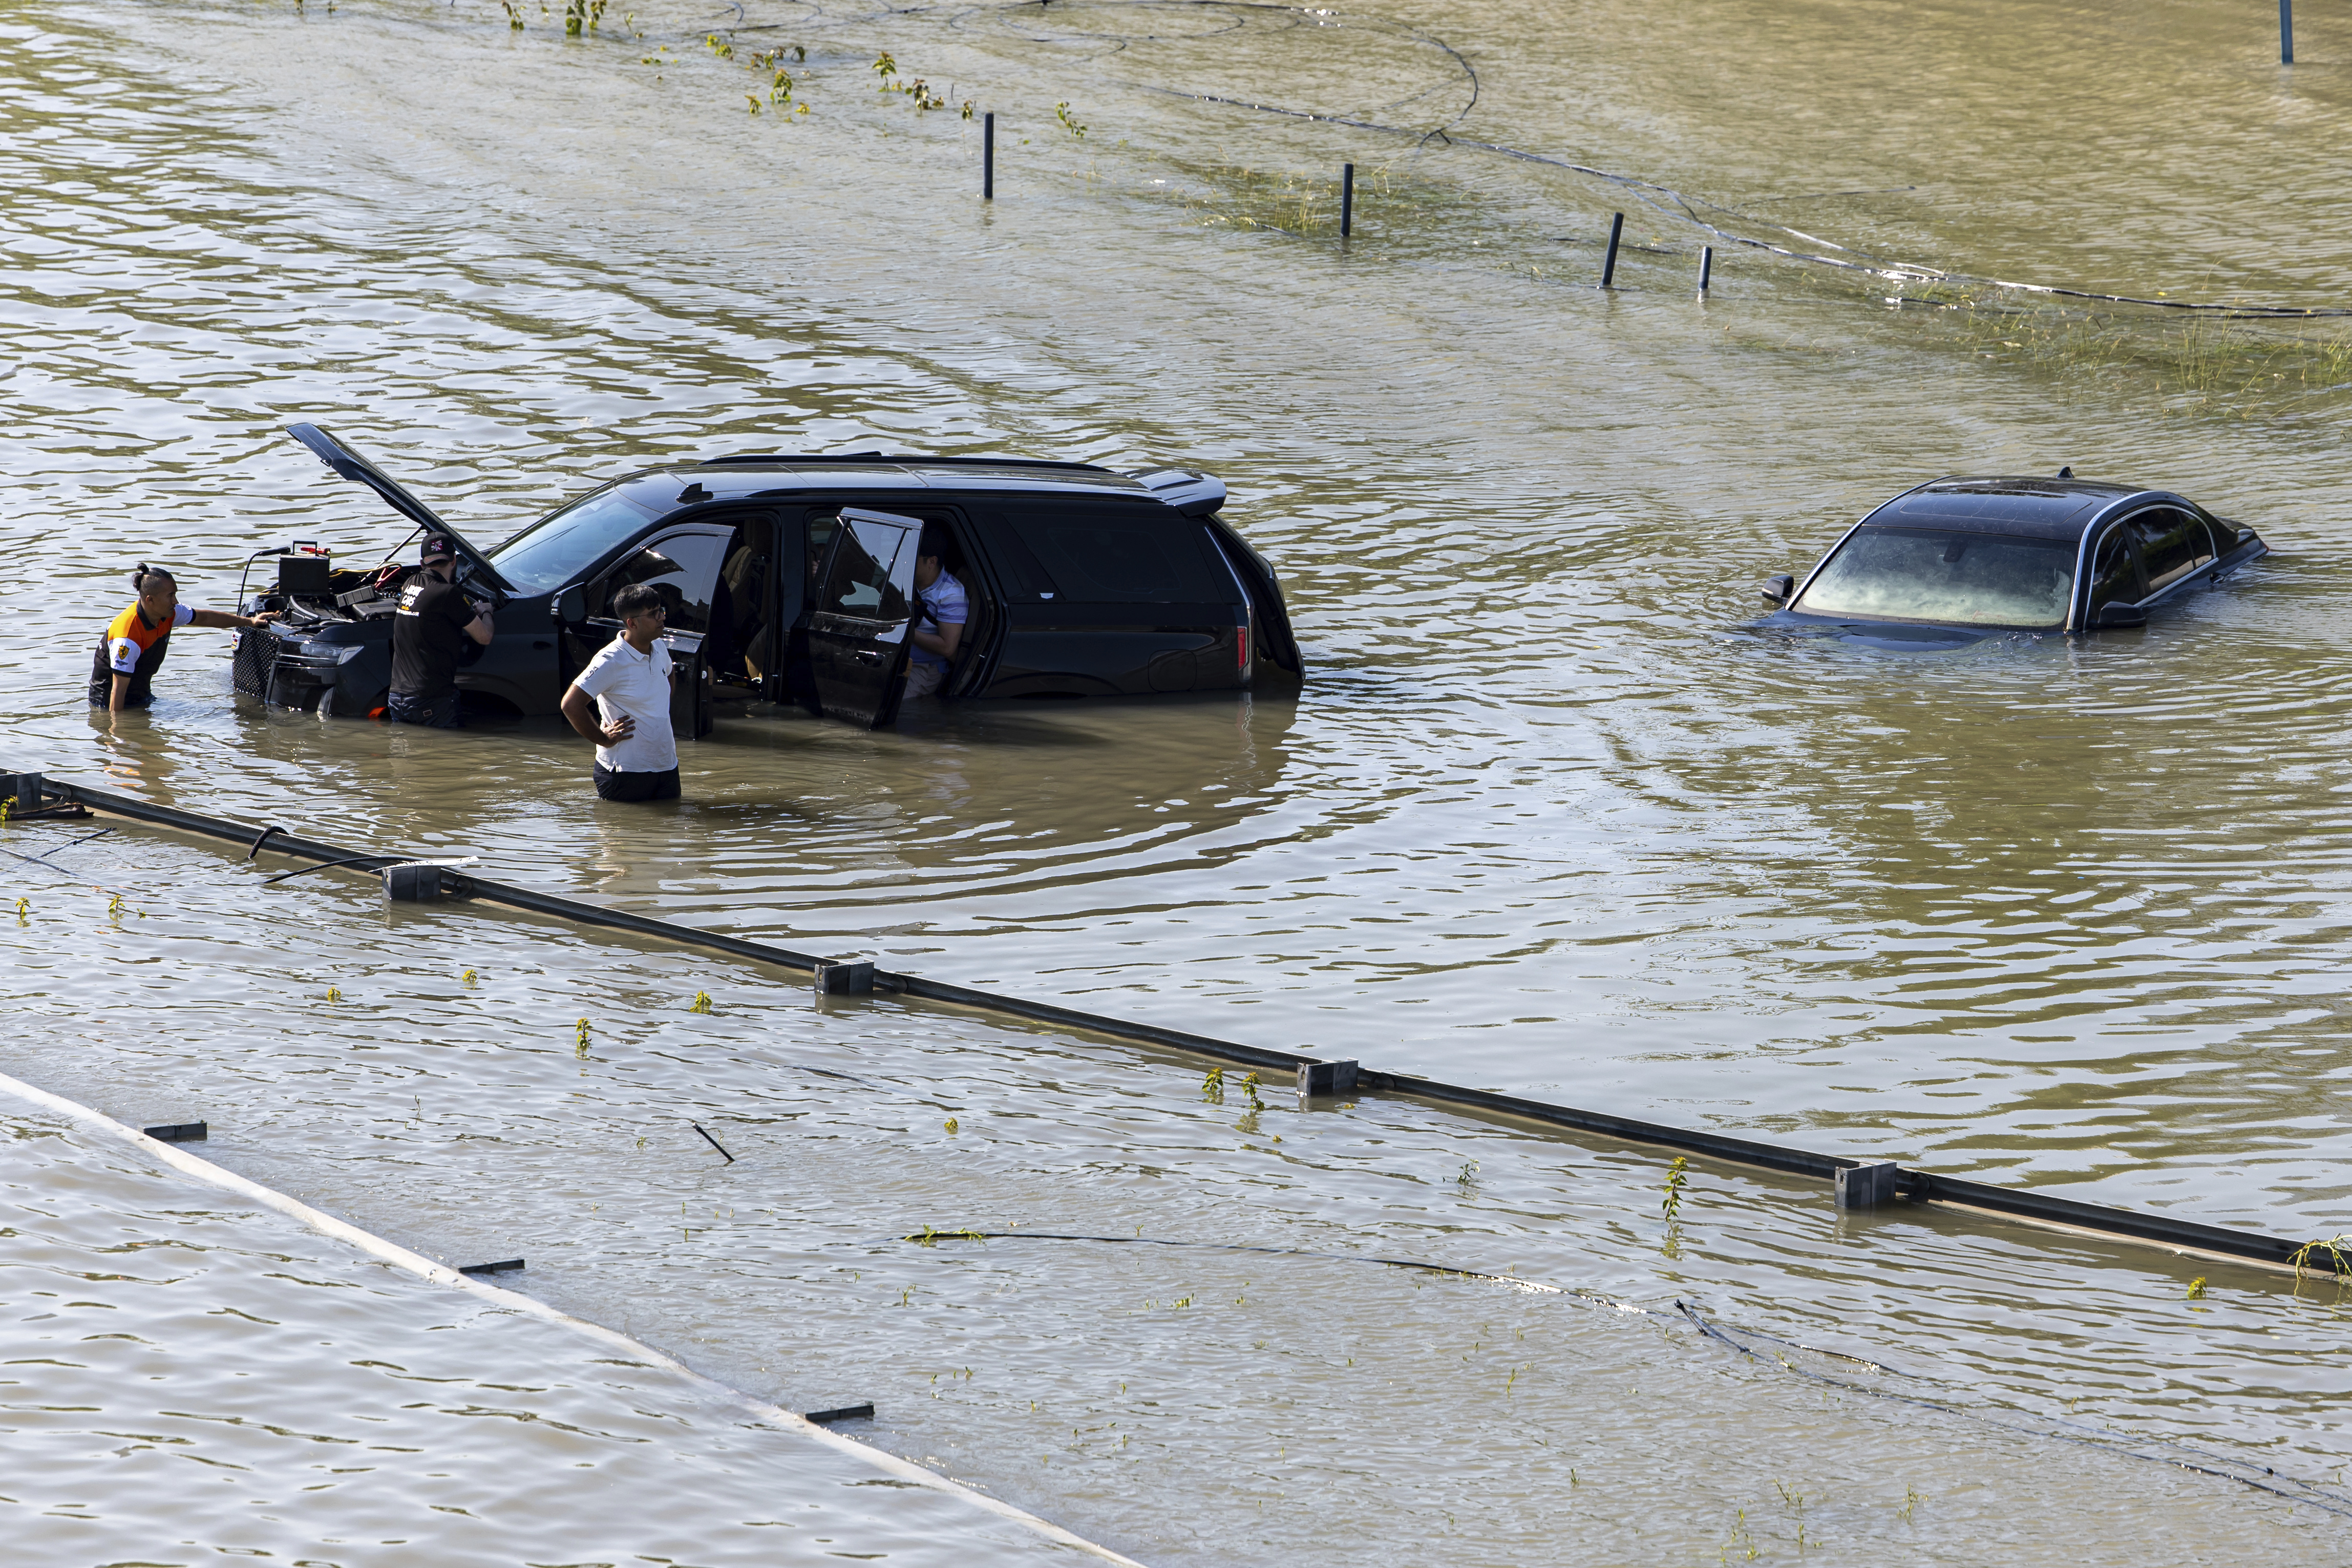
791,579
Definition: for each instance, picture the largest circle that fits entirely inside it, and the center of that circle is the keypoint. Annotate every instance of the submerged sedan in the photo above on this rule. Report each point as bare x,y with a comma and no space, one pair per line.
1960,559
792,578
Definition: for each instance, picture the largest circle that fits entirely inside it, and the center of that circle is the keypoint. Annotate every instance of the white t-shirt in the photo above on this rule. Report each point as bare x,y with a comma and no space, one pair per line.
944,600
624,680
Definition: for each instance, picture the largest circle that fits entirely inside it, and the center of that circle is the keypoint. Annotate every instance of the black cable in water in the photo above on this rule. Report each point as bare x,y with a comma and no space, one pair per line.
714,1142
2218,1466
347,860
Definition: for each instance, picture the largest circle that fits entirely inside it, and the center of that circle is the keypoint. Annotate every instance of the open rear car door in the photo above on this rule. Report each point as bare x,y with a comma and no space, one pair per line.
857,627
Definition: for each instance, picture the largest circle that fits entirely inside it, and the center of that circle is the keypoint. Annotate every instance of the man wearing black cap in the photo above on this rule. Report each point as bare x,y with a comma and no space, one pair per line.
429,629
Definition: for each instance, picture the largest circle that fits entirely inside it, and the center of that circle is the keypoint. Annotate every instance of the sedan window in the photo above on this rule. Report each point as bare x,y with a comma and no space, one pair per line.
555,551
1922,574
2172,543
2115,576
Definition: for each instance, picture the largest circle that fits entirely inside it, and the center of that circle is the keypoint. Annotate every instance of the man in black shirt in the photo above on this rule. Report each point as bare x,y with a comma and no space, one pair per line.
429,629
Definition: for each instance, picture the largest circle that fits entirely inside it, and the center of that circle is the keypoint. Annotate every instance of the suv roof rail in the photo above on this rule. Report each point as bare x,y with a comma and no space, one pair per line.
896,457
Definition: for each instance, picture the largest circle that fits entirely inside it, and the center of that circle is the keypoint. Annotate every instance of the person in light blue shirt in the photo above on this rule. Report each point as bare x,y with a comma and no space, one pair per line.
940,611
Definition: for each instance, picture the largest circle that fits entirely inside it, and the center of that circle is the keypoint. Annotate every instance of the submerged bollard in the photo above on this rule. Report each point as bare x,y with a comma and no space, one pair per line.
1323,1079
988,157
1346,199
1705,267
1867,1186
1609,262
847,1413
2287,32
846,979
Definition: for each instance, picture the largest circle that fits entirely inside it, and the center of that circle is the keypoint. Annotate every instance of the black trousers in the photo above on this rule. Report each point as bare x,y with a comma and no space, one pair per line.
613,785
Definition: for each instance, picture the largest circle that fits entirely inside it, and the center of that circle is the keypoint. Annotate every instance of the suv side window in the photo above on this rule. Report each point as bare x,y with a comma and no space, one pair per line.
1119,555
682,567
2172,543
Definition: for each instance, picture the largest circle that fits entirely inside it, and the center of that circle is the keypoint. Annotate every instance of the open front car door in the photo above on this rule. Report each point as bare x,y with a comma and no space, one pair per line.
857,627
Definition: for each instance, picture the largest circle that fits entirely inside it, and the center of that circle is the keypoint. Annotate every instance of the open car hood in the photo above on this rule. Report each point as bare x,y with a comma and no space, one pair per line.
331,450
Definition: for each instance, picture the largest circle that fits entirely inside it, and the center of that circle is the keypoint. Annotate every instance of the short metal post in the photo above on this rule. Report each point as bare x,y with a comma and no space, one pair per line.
988,157
1705,267
1347,193
1320,1080
1867,1186
2287,32
846,979
1609,262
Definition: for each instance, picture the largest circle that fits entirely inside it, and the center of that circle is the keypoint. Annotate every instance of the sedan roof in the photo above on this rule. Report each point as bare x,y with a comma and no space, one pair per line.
2034,508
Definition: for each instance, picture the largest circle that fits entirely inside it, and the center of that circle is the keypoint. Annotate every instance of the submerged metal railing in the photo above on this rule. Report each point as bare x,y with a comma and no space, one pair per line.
1316,1076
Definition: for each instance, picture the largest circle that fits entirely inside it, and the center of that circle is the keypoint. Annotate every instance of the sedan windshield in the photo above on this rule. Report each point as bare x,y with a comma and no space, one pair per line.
556,550
1924,574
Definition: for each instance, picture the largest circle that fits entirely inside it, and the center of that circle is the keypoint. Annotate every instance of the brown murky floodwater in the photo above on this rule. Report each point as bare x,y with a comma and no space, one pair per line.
1545,817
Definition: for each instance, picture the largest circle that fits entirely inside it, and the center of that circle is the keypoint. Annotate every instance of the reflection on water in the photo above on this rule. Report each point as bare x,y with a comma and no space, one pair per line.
2042,913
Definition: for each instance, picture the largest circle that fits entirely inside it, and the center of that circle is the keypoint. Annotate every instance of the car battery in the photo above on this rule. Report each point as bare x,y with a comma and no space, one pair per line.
304,574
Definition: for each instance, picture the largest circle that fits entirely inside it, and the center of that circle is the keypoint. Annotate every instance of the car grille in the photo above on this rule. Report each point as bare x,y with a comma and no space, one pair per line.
256,652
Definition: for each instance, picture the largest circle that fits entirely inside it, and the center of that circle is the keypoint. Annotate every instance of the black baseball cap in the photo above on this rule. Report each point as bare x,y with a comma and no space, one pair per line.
436,545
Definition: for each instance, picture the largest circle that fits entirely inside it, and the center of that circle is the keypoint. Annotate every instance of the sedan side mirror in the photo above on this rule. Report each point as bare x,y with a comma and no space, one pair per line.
2120,616
571,608
1778,589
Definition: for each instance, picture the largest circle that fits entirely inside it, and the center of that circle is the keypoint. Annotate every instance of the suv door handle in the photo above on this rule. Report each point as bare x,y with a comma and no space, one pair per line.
869,655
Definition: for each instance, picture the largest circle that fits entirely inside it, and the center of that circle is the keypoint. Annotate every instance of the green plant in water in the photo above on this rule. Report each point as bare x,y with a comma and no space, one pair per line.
114,907
951,1125
1069,121
1213,1082
24,911
9,805
886,68
701,1002
753,99
514,15
467,978
1910,1501
2196,1288
967,110
581,16
2310,1254
1677,1178
580,1038
1250,1086
720,47
334,993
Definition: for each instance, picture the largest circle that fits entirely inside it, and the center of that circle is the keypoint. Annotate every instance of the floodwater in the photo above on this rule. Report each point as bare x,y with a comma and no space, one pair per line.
1544,818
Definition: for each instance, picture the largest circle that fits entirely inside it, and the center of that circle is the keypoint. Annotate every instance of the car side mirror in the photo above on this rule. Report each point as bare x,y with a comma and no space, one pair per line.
571,608
2120,616
1778,589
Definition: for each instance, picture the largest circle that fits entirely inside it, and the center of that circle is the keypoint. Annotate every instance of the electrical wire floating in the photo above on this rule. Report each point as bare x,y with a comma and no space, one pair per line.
2260,1477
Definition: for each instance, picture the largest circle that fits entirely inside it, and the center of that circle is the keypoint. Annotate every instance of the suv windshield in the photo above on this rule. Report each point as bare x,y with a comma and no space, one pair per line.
553,552
1932,575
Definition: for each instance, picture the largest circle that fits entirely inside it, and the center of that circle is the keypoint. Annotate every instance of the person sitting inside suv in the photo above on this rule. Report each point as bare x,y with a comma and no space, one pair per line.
940,606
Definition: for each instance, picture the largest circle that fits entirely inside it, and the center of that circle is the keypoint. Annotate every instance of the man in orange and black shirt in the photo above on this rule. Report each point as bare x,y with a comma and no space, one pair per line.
136,642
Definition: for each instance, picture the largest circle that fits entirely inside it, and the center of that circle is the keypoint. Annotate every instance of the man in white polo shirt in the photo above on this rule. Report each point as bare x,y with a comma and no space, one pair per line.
621,702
